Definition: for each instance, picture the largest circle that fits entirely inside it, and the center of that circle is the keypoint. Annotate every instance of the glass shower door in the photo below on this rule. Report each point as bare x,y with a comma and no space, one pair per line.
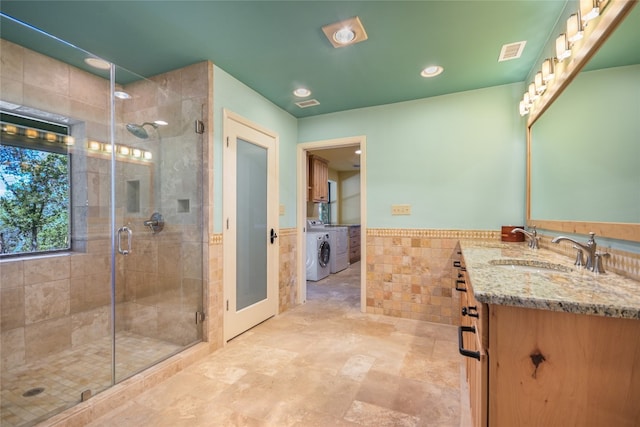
158,226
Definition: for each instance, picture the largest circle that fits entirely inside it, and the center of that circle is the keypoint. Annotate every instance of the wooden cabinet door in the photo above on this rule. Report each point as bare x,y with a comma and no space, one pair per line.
319,179
552,368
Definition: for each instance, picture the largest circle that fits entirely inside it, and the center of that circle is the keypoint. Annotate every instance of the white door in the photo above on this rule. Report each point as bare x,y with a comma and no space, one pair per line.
250,225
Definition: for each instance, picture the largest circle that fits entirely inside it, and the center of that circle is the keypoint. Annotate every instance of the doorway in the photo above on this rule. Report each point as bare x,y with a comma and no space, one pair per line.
250,232
303,150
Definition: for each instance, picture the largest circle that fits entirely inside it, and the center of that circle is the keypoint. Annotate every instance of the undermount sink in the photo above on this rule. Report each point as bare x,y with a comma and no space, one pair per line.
532,266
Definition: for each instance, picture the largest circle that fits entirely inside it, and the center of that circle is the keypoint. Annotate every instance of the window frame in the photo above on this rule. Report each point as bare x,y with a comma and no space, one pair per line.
59,146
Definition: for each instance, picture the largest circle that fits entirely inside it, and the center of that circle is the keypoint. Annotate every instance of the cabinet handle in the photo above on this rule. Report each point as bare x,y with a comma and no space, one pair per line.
460,282
467,311
463,351
457,264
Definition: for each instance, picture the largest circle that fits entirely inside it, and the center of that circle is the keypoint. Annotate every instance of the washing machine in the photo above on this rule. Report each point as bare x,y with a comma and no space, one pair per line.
338,241
318,255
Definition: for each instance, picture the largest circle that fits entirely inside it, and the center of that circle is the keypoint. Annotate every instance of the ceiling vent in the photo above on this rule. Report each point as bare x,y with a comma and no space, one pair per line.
307,103
511,51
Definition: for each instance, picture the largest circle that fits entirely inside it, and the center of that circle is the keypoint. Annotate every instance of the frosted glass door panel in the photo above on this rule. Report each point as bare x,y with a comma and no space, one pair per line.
251,249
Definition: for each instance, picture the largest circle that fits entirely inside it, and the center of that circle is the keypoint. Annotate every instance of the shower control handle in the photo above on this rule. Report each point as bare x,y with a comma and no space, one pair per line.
129,233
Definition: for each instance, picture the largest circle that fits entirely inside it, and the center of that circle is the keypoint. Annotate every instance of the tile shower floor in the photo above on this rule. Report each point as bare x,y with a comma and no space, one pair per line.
323,363
65,375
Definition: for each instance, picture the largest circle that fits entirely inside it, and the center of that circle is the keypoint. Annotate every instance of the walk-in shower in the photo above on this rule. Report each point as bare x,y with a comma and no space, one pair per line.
79,320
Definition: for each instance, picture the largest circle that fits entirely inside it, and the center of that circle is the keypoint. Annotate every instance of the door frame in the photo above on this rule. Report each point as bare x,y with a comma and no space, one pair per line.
302,190
229,209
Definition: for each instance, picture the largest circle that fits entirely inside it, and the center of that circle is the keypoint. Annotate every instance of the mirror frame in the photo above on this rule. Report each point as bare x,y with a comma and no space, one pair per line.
611,17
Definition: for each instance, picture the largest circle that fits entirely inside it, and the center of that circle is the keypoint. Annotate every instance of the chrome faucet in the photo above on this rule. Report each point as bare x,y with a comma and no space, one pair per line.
594,258
532,235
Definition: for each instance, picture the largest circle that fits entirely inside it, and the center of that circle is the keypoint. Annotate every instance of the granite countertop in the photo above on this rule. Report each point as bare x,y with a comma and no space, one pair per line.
572,290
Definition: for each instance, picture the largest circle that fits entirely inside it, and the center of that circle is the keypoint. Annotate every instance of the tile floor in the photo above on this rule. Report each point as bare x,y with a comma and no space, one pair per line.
320,364
65,375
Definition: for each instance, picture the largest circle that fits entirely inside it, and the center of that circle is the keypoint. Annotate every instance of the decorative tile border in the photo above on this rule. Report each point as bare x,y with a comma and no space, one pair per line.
215,239
434,234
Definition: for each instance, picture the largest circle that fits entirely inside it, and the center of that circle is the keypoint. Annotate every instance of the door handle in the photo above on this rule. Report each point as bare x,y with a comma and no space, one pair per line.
273,236
129,233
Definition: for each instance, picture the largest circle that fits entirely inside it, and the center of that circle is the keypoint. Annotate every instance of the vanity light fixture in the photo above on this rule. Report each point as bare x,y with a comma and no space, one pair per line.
575,30
533,93
302,92
432,71
31,133
539,82
524,108
548,70
589,9
527,100
345,33
94,145
147,155
562,48
98,63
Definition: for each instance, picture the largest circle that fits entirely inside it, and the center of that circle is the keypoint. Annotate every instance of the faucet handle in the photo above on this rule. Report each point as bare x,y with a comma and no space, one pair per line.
597,267
579,258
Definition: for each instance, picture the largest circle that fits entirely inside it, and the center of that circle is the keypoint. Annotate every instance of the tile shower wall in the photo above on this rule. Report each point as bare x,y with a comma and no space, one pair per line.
52,303
163,275
410,272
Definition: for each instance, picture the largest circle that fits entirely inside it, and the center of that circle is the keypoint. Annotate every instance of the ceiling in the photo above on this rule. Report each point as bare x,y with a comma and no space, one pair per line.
275,46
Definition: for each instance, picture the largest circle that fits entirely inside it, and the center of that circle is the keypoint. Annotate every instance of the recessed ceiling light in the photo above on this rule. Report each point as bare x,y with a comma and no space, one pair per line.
121,94
160,122
345,33
344,36
302,92
97,63
432,71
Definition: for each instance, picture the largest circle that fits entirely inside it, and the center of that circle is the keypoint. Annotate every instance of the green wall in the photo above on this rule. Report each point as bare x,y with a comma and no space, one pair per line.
459,160
229,93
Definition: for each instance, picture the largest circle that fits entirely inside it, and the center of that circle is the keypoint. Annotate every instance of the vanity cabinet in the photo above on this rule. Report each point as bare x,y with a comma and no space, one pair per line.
555,368
318,179
538,367
473,343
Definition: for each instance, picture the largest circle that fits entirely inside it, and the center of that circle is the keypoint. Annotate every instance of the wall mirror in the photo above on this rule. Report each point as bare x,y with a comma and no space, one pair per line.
584,147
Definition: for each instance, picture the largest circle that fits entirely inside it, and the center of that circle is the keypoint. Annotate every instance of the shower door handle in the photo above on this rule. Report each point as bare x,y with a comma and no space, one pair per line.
122,230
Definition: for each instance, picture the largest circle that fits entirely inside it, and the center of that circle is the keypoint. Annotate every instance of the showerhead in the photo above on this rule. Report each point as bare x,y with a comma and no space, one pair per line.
138,130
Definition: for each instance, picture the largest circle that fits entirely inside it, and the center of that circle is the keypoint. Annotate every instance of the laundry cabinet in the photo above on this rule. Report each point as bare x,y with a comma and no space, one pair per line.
318,179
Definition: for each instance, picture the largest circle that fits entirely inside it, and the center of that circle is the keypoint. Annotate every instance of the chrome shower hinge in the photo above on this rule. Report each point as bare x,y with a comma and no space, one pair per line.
199,126
200,316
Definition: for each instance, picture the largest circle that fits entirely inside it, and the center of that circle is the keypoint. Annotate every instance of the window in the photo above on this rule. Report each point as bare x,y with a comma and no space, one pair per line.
34,187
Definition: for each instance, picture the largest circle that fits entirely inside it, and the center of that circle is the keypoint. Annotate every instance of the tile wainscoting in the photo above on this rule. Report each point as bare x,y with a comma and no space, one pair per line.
410,272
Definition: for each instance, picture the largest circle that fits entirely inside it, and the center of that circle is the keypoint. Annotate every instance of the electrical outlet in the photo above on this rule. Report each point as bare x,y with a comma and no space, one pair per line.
281,210
400,209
